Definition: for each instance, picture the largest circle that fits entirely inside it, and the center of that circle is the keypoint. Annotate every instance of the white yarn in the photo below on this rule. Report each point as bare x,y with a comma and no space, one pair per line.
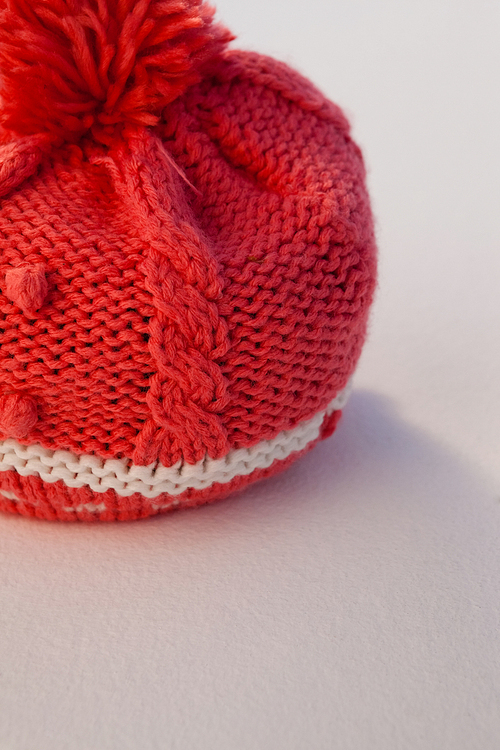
91,507
340,399
10,495
151,481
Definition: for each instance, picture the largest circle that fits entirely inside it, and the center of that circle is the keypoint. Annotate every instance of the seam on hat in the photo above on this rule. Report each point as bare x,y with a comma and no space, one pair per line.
126,478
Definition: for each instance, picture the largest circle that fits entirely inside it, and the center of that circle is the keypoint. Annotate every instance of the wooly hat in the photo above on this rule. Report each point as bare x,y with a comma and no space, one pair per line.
187,260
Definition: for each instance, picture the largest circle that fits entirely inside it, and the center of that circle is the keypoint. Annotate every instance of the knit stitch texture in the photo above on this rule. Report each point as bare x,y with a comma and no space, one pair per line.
176,291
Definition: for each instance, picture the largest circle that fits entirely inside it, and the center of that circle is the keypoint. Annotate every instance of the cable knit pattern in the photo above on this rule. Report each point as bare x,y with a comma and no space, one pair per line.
205,291
188,392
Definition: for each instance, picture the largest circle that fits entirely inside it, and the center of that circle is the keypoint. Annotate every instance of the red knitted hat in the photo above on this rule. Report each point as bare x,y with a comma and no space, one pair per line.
187,260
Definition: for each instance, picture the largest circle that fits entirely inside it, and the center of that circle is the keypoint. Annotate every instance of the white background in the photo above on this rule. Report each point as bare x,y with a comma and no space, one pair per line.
352,603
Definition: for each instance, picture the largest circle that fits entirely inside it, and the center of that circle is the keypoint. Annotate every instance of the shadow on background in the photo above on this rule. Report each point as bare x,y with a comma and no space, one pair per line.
376,462
376,459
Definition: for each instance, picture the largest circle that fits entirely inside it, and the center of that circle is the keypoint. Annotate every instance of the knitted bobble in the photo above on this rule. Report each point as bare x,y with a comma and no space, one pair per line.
27,287
18,414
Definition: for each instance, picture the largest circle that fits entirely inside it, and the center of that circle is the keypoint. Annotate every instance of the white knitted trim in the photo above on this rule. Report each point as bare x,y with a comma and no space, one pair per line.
125,478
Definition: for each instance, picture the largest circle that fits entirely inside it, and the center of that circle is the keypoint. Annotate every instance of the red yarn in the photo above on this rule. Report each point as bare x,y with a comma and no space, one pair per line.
27,286
31,496
330,424
18,414
245,301
70,64
180,322
19,159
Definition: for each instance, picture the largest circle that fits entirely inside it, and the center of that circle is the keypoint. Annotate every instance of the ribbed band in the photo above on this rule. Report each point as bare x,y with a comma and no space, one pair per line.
126,478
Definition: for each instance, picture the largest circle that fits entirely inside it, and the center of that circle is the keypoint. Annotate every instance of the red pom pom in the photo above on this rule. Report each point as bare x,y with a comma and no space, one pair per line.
18,414
68,65
27,287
